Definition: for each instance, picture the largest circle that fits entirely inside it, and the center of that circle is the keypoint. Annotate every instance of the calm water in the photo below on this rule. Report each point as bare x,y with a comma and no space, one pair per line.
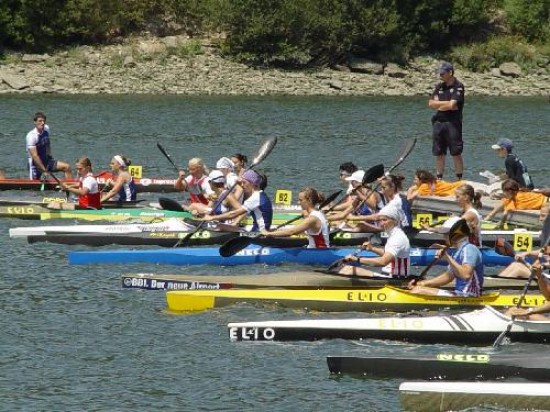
71,339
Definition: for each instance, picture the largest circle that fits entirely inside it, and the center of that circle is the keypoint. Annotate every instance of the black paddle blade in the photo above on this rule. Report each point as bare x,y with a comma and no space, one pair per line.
165,153
503,247
460,228
235,245
372,174
264,151
330,199
170,204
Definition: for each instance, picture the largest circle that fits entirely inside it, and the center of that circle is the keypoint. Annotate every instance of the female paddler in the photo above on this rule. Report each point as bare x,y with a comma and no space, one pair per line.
196,184
465,267
218,184
123,186
515,199
87,189
257,204
315,224
470,202
393,258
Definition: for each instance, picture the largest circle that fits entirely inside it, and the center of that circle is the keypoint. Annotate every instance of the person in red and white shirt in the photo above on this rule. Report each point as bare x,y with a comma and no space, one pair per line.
315,224
394,258
197,185
87,190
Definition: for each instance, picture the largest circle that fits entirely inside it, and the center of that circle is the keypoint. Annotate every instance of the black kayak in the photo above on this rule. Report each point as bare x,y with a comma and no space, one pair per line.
447,366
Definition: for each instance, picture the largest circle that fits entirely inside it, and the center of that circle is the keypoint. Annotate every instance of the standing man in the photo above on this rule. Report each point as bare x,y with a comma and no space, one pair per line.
515,168
39,155
448,100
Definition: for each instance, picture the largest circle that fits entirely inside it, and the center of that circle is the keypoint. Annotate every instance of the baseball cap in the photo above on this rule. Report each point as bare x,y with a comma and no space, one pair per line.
391,212
445,67
225,163
503,144
216,176
356,176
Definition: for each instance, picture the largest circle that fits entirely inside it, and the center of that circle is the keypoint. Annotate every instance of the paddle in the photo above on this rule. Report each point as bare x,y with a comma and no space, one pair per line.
165,153
235,245
170,204
59,183
404,151
264,151
545,239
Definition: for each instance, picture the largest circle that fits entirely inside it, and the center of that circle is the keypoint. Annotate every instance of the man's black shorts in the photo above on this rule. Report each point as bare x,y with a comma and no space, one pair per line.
447,136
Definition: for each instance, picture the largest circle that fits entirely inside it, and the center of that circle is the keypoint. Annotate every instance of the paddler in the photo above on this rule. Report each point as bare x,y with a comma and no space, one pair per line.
257,203
314,224
515,199
39,155
197,185
426,184
123,187
218,184
536,313
394,258
227,167
465,267
87,189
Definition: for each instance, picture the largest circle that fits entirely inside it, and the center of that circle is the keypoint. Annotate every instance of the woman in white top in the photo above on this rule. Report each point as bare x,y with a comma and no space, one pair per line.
196,184
469,200
315,225
394,258
227,167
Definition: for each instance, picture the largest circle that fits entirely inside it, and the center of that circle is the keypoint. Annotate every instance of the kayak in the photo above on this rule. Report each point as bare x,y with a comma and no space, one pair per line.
446,366
96,236
444,205
165,235
142,184
46,200
458,396
252,255
479,327
37,212
287,280
342,300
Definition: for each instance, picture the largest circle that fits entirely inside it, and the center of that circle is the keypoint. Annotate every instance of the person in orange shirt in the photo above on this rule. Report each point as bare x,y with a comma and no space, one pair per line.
515,199
426,184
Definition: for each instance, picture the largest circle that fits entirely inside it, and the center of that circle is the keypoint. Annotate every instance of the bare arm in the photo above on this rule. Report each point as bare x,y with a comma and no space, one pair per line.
36,159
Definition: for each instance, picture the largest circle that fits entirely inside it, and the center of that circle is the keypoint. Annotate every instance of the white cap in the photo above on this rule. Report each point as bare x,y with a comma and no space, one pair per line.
391,212
356,176
225,163
216,176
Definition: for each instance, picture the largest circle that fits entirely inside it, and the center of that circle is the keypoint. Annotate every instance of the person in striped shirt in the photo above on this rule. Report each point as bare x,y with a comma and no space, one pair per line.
393,258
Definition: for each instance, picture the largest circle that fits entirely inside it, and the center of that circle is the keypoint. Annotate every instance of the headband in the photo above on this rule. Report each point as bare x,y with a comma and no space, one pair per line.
120,160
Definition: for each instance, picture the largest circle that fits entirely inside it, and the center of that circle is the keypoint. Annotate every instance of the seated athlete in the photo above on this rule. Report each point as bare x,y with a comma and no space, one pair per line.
196,184
465,267
393,258
315,224
123,188
536,313
257,204
515,199
87,189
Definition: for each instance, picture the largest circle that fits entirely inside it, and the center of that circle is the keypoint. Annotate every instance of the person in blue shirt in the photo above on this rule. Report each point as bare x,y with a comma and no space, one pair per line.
465,267
39,157
515,168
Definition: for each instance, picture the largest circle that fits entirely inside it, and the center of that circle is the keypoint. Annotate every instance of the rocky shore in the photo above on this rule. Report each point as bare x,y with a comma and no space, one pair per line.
183,66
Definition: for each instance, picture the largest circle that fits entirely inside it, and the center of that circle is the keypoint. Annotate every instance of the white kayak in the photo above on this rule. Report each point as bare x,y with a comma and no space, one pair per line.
445,396
174,224
477,327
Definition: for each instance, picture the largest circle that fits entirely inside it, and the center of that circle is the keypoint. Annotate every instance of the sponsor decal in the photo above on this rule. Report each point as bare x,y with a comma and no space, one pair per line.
366,296
400,323
134,282
20,210
144,182
464,357
250,333
254,252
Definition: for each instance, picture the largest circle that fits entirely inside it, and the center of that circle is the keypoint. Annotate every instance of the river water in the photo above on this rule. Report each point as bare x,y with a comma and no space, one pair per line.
72,339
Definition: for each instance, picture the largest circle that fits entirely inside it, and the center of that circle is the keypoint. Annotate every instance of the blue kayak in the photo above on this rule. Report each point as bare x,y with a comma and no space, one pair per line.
251,255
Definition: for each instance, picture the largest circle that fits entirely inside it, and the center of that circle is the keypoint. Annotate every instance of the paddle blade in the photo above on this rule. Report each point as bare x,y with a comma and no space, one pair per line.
264,151
503,247
235,245
372,174
330,199
170,204
545,232
405,149
165,153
